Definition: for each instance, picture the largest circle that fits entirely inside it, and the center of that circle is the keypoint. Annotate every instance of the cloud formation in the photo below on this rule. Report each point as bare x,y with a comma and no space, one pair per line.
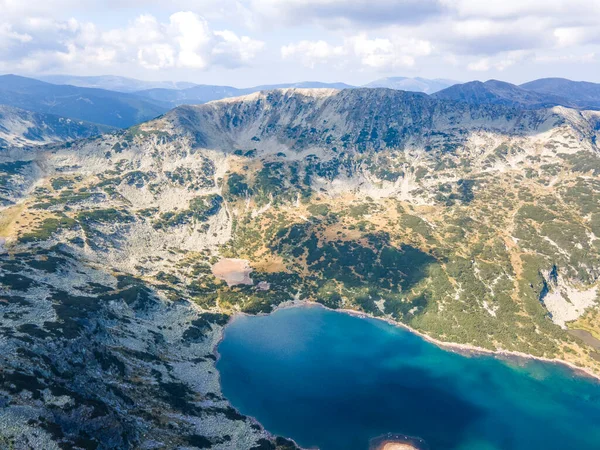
185,41
346,12
491,35
360,50
287,36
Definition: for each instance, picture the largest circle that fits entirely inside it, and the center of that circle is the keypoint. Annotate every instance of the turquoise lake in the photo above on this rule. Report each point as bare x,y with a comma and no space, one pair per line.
334,381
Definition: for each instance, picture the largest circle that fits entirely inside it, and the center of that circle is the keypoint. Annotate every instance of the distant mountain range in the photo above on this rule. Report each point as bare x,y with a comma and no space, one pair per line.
581,93
206,93
542,93
417,84
174,93
125,84
497,93
122,102
101,106
114,83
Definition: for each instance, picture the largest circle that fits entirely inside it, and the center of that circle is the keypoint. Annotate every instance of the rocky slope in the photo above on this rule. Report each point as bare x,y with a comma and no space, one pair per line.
476,224
20,128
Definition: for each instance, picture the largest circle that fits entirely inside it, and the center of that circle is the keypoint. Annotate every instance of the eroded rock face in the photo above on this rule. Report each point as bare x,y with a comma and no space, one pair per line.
427,212
565,302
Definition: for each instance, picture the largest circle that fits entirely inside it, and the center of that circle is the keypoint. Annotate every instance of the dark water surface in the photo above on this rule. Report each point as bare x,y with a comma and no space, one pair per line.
330,380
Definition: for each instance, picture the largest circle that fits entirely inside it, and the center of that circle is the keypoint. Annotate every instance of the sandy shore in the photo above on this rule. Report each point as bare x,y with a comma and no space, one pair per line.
397,446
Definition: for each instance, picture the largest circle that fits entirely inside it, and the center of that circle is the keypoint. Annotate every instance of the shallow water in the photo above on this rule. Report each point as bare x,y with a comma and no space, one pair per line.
334,381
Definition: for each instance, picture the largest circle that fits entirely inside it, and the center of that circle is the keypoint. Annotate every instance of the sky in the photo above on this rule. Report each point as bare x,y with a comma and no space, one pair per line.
249,42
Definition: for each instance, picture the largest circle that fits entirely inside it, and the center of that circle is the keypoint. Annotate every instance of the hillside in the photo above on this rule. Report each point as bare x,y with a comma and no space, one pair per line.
543,93
475,224
92,105
581,93
495,92
21,128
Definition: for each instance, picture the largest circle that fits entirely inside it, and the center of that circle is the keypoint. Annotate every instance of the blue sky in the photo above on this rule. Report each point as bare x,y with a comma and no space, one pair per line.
249,42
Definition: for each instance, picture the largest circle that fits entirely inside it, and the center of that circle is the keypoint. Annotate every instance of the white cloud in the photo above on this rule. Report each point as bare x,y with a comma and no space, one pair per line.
489,34
369,35
482,65
14,9
384,53
343,12
194,39
511,9
156,56
585,58
501,62
311,53
376,53
576,35
234,48
185,41
10,37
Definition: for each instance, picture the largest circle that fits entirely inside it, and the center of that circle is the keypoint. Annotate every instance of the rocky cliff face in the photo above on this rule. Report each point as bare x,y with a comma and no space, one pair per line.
446,216
359,119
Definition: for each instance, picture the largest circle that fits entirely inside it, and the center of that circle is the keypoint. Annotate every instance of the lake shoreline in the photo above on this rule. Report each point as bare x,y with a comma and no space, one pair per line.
217,355
465,349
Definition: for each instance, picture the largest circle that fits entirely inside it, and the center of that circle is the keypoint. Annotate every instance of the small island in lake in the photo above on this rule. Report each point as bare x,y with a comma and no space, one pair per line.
392,441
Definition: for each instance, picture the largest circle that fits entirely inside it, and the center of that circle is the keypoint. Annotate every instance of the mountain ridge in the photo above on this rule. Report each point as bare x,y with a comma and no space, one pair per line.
540,93
499,92
583,93
412,110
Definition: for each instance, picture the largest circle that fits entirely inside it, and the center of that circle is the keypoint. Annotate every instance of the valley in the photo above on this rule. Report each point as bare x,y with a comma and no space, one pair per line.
475,224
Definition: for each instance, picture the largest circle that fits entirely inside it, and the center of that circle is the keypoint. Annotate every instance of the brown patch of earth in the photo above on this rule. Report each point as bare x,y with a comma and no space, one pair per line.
586,337
233,271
